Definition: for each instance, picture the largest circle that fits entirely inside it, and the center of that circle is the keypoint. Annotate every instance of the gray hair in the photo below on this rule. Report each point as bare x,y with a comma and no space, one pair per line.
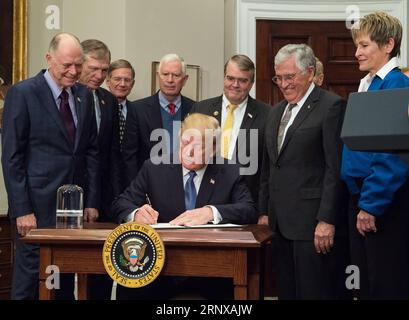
119,64
304,56
173,57
95,48
244,63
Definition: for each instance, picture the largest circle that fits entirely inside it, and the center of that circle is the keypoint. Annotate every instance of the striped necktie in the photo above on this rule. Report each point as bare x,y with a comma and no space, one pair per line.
283,124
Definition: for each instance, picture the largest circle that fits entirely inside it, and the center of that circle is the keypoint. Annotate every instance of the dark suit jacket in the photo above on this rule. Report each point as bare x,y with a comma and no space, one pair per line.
301,185
142,118
222,187
254,118
38,157
110,160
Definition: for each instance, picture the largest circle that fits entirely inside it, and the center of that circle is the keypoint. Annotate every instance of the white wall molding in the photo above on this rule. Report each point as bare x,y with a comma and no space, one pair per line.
249,11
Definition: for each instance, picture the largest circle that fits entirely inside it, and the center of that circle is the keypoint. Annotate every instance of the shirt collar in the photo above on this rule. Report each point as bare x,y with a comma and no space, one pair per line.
306,95
55,89
226,102
164,102
199,172
388,67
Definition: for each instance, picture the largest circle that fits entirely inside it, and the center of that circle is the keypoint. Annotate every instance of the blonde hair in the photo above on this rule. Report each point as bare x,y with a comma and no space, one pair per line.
202,123
380,27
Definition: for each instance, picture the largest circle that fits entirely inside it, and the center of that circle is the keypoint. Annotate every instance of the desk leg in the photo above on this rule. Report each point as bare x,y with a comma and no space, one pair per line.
240,275
255,285
82,286
45,260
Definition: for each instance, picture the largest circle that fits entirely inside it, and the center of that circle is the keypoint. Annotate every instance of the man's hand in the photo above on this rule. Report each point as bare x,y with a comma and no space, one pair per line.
26,223
365,222
147,215
324,237
194,217
90,214
263,219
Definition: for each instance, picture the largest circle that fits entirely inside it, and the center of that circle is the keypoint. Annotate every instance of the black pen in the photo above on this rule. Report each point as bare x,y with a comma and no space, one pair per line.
148,201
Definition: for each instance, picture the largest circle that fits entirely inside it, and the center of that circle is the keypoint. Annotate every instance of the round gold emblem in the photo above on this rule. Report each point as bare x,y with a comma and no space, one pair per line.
133,255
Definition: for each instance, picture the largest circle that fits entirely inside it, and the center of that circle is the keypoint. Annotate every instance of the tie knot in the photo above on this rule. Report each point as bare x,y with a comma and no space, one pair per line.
172,108
64,95
192,174
120,106
232,107
292,106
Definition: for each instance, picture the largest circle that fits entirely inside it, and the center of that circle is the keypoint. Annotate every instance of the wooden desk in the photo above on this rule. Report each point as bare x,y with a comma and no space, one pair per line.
235,253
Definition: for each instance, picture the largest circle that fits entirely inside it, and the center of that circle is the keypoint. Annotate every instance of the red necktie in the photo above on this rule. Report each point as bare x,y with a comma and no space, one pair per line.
66,115
172,108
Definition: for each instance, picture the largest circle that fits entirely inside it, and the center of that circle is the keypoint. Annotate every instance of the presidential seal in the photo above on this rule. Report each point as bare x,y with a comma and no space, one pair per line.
133,255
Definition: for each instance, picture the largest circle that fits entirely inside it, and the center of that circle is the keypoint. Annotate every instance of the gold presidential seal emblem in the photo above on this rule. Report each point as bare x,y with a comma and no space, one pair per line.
133,255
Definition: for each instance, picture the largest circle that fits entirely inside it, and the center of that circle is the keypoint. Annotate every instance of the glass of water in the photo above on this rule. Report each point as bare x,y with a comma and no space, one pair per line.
70,214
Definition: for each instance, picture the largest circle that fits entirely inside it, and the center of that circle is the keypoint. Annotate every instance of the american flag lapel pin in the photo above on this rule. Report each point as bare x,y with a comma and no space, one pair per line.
78,99
212,181
216,113
103,101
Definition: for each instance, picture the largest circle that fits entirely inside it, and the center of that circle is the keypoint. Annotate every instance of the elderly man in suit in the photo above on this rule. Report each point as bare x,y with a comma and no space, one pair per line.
94,71
120,81
195,190
239,115
164,110
49,139
301,188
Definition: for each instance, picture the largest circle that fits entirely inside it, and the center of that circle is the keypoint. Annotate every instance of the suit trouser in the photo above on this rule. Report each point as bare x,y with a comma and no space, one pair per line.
25,275
302,273
382,257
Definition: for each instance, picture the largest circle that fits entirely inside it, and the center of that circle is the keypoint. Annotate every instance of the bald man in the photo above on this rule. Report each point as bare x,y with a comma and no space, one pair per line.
49,139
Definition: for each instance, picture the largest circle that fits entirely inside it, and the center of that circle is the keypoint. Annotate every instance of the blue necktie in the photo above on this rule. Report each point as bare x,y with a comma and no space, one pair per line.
190,192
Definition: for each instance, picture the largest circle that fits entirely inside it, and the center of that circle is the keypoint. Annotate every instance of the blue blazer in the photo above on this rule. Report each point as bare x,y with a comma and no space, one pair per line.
37,155
381,174
222,186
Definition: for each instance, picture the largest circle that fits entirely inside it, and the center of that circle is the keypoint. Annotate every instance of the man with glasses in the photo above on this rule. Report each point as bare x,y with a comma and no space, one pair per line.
300,192
239,114
120,81
164,110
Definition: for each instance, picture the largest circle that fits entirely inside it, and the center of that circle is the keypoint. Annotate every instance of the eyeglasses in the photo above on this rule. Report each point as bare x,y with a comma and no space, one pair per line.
119,79
287,77
166,75
241,81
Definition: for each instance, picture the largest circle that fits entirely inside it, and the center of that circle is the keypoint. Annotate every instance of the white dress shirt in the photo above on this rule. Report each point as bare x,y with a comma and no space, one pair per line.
381,73
296,109
197,180
238,119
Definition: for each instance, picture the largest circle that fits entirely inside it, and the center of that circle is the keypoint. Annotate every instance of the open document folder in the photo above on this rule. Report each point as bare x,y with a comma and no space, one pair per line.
170,226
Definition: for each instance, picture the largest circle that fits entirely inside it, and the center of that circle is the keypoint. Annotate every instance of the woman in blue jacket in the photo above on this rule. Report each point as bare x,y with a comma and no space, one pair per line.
378,182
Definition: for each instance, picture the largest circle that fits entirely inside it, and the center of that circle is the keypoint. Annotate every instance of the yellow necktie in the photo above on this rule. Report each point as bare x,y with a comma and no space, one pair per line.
227,130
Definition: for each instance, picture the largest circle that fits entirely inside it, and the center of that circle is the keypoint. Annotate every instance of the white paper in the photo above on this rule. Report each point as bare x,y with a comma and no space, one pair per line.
169,226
